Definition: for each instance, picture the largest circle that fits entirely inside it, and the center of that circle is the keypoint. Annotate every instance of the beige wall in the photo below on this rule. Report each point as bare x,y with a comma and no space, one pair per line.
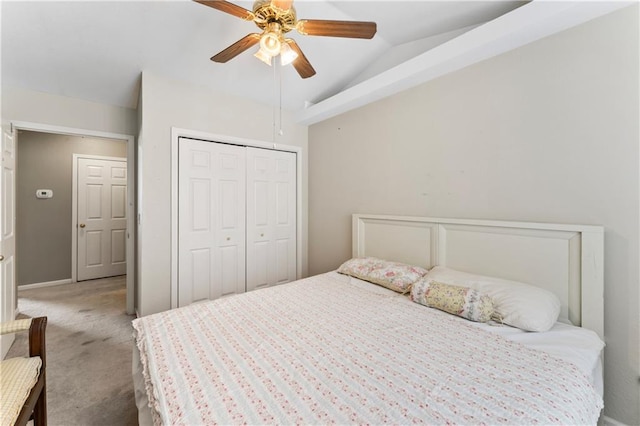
43,237
166,104
547,132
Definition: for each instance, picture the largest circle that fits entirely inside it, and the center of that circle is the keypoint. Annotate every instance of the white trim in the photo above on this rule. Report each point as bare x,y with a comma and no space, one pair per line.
495,223
608,421
74,207
61,130
9,298
99,157
177,133
44,284
131,182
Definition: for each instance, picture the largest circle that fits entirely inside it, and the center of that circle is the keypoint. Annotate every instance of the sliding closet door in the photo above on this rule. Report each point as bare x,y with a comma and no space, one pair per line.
211,222
271,217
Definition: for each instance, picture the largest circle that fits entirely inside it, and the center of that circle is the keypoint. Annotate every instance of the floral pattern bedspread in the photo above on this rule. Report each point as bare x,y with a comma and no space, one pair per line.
321,350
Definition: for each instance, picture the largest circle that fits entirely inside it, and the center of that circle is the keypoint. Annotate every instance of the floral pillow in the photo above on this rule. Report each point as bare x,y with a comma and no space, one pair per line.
393,275
461,301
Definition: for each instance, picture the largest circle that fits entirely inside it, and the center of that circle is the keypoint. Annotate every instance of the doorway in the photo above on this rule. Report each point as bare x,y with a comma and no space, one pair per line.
124,235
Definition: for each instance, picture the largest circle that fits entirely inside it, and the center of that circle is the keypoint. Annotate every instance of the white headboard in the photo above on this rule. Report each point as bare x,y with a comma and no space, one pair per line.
565,259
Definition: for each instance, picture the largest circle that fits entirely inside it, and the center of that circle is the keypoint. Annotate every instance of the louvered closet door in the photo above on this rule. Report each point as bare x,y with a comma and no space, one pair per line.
271,217
211,220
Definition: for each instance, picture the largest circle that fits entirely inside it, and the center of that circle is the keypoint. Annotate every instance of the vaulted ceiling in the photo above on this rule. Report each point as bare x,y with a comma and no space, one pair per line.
96,50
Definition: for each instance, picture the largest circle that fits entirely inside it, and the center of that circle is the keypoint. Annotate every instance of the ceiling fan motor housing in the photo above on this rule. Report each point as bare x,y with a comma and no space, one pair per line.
265,13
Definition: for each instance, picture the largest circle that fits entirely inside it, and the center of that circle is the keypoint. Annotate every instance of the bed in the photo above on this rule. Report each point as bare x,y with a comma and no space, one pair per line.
337,349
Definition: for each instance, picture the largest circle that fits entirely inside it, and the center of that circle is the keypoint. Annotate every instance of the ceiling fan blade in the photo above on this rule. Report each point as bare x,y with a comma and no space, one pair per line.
229,8
236,48
282,4
349,29
301,63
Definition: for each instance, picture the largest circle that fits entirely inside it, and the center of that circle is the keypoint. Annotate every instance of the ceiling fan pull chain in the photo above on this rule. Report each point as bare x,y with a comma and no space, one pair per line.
273,124
280,132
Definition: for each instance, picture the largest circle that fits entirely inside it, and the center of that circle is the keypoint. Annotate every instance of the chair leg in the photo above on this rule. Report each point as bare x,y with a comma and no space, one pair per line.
40,409
37,348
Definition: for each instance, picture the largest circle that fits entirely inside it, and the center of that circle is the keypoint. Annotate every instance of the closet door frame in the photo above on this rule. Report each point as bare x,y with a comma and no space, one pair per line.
176,134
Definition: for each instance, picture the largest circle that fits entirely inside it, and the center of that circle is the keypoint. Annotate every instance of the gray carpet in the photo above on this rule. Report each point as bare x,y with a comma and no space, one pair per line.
89,349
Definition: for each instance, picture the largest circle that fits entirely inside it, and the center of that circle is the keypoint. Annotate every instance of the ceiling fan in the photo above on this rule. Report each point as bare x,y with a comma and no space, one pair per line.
276,18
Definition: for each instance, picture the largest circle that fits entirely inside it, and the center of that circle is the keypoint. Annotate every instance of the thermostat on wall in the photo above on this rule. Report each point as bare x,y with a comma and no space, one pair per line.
44,193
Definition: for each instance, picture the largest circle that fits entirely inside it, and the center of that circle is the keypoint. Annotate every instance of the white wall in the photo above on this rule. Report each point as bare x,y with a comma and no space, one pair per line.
165,104
44,108
546,133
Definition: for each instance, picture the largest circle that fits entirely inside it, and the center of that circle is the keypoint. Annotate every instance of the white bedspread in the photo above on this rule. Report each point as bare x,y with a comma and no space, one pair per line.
322,350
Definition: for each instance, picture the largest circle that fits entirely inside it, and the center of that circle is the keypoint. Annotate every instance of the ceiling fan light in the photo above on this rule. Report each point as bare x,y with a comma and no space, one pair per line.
287,54
270,43
263,56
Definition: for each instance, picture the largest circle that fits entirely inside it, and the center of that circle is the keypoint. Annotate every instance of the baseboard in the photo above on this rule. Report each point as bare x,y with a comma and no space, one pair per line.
45,284
608,421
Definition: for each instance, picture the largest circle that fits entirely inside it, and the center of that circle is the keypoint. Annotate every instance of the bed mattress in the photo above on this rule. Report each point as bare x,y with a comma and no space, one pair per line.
334,349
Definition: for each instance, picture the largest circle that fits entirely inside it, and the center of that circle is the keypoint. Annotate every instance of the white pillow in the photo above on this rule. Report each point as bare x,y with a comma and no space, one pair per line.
520,305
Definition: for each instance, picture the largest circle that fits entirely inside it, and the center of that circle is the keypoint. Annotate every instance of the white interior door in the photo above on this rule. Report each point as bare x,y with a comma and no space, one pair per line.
271,217
211,220
7,238
102,218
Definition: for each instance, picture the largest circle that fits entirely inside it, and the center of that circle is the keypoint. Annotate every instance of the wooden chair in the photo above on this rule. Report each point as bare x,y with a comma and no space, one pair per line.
22,379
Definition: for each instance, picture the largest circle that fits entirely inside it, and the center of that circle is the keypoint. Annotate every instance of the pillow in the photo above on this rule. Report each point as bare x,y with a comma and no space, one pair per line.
392,275
461,301
517,304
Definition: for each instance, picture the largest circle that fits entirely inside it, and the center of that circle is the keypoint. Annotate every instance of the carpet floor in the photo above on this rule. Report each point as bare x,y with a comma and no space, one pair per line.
89,349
